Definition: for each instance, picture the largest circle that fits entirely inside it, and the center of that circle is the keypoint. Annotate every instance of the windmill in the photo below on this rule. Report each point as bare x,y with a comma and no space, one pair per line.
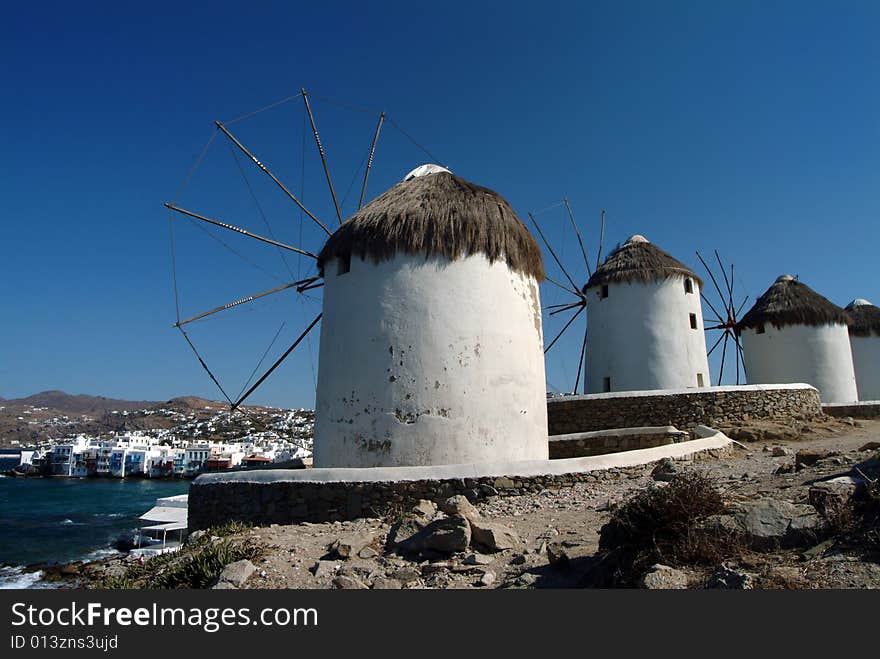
726,320
576,304
309,228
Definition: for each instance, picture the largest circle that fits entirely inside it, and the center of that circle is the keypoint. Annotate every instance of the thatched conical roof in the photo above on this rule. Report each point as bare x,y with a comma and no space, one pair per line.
790,302
639,260
435,213
865,317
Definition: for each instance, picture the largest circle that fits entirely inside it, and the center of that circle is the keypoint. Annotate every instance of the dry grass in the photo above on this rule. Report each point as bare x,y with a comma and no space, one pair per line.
665,525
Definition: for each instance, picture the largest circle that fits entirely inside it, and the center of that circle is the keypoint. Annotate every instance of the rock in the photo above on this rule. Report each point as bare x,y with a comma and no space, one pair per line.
368,552
770,523
349,546
525,580
444,536
194,537
743,435
779,451
487,579
235,574
459,505
383,583
663,577
557,556
726,578
406,575
493,536
324,569
665,470
477,559
402,531
503,483
348,583
870,446
832,496
426,509
809,457
519,559
223,585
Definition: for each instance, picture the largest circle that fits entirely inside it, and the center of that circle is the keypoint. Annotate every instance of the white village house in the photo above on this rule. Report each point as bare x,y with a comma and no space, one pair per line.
793,334
431,345
644,322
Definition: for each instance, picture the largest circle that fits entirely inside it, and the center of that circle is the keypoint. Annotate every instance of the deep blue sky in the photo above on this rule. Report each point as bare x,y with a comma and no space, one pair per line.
750,127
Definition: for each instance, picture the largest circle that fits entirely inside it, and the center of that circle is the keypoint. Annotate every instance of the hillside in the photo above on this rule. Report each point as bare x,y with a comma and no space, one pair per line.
54,414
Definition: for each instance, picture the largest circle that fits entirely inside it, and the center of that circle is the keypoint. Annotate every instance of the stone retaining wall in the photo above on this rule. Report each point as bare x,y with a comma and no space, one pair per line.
869,410
682,408
212,503
601,442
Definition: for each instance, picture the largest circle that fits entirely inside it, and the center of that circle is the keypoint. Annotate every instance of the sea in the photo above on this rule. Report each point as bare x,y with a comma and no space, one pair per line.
46,520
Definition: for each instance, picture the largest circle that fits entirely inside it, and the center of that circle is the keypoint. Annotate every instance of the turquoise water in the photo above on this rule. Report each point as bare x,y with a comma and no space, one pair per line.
66,519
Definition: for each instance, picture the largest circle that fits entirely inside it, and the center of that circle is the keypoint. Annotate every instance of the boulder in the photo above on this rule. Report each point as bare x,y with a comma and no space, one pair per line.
425,509
726,578
351,545
235,574
665,470
492,536
384,583
809,457
443,536
343,582
487,579
557,556
663,577
832,496
194,537
460,506
770,523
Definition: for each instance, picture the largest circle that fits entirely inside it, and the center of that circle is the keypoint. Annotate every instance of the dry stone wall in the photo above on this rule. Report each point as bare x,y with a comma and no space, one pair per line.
291,502
684,408
602,442
869,410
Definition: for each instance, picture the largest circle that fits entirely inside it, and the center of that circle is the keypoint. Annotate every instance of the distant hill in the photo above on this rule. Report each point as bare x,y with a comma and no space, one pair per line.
78,404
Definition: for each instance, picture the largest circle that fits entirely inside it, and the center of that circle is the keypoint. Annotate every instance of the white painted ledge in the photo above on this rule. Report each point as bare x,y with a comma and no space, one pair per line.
708,439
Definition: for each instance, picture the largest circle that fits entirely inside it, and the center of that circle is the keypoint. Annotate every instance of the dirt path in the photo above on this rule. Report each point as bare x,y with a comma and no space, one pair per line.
298,556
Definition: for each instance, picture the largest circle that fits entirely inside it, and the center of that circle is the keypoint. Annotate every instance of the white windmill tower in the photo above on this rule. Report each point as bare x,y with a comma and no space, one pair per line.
645,322
793,334
864,336
431,339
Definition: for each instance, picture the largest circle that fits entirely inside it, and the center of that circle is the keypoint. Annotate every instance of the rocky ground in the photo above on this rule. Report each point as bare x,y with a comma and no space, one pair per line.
551,539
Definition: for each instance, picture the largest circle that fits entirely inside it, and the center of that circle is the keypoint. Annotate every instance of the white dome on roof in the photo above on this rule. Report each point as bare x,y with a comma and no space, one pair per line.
425,170
859,302
637,238
785,278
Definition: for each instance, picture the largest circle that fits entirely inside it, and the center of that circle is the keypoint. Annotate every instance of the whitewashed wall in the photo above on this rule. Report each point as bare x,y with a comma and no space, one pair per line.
866,360
640,336
820,356
430,362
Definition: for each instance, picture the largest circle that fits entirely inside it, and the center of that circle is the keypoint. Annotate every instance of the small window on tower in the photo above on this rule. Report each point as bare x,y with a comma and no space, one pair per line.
688,285
759,329
604,292
606,384
700,380
344,264
693,321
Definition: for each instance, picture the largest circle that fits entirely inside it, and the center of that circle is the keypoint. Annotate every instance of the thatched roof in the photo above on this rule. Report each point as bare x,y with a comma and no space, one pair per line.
639,260
790,302
865,317
437,214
